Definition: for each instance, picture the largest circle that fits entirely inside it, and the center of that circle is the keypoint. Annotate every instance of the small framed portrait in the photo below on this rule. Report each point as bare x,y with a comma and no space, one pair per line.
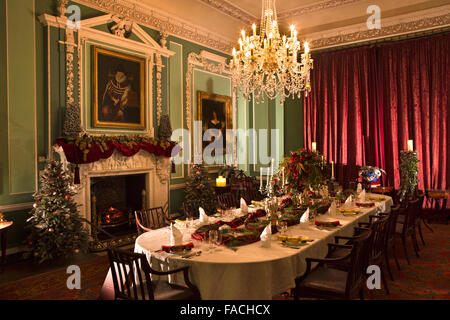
214,111
118,90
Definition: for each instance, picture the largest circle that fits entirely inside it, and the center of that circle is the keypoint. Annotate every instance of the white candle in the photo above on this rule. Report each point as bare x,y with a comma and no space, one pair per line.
271,171
267,177
283,176
260,178
410,145
332,169
313,146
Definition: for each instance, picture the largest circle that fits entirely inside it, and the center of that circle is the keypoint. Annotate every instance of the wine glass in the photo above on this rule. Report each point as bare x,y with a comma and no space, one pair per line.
213,236
281,226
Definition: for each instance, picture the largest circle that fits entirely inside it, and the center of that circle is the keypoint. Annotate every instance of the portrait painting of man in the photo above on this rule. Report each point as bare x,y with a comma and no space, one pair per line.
118,90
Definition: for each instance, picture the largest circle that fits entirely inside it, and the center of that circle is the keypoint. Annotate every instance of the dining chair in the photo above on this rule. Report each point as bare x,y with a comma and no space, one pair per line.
190,208
327,281
438,196
150,219
129,278
376,247
406,227
227,200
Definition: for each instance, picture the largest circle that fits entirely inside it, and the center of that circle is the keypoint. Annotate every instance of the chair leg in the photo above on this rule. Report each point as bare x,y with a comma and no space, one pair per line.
415,244
388,267
404,249
361,294
420,232
395,257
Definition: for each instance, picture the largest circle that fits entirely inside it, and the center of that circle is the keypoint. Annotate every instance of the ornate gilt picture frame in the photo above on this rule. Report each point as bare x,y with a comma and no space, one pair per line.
118,90
215,112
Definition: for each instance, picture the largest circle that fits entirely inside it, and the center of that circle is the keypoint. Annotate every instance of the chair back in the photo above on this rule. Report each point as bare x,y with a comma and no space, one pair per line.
392,223
380,230
131,279
227,200
148,219
358,262
411,216
190,208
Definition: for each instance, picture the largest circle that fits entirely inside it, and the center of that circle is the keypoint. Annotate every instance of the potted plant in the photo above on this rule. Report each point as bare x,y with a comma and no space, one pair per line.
409,171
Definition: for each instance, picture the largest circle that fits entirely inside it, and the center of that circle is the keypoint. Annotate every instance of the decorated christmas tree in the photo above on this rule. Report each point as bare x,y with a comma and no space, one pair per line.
55,226
200,190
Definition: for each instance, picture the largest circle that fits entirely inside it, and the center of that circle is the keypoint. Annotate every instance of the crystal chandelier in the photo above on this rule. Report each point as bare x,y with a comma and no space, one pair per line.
267,64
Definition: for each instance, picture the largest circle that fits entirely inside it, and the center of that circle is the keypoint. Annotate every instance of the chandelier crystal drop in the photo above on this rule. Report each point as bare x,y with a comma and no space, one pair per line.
267,64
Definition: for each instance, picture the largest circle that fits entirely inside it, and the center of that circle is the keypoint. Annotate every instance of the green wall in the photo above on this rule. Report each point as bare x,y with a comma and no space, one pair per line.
32,102
293,125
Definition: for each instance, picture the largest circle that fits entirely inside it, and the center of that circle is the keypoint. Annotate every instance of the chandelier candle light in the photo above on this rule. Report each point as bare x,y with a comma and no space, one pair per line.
267,64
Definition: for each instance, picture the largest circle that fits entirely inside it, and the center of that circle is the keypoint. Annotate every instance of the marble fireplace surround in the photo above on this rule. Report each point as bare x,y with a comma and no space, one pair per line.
156,169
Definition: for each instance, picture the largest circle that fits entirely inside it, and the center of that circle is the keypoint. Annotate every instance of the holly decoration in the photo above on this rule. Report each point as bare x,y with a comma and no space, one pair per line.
55,228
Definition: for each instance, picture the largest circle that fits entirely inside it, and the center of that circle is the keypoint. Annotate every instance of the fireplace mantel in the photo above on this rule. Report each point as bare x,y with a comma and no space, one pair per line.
157,170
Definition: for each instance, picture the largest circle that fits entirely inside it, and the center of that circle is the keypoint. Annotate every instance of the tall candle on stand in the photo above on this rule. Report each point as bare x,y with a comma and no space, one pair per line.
332,170
260,178
313,146
410,145
271,170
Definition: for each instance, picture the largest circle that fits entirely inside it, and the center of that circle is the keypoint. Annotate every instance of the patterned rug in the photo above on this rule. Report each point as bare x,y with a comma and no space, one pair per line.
52,285
428,277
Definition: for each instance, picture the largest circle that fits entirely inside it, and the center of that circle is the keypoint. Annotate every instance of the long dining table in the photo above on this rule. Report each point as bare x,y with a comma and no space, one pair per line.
252,272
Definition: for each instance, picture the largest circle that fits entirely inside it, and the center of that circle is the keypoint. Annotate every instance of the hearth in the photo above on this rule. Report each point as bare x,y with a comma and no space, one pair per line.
114,199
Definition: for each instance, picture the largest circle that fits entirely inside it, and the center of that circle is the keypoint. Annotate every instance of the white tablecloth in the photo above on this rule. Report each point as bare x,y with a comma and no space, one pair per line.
251,272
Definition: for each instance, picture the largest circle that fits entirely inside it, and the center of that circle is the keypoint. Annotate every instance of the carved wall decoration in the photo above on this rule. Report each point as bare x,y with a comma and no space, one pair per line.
199,60
120,26
385,31
159,21
158,88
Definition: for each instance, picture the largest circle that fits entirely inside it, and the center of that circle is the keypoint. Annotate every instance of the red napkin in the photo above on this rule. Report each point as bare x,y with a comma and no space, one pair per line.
365,204
187,246
327,223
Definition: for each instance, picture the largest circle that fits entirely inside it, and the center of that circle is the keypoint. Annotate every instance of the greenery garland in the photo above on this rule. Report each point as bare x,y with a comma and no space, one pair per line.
409,171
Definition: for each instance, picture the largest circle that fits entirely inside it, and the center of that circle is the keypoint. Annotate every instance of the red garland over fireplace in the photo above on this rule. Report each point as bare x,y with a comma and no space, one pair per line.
82,150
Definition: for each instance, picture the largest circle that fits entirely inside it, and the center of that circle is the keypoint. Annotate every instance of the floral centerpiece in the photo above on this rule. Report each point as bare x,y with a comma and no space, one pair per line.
304,170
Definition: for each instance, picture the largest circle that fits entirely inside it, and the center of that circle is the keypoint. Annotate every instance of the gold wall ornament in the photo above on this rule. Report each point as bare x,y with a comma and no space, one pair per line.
267,64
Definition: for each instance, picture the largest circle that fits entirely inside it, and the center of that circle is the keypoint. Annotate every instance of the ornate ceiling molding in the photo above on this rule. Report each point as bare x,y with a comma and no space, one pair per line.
161,21
231,10
414,24
313,8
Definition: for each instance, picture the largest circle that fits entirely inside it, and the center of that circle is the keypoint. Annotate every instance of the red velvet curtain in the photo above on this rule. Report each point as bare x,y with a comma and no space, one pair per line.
366,102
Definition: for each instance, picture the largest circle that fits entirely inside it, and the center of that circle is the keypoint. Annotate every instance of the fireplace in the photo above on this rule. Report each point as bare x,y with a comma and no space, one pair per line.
114,199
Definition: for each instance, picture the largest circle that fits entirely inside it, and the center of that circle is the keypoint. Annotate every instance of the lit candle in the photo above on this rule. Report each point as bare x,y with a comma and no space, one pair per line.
267,177
292,30
313,146
243,34
254,29
221,182
410,145
332,169
306,47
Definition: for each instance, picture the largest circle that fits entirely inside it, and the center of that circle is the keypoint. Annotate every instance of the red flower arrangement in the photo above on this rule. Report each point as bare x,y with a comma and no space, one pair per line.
304,169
